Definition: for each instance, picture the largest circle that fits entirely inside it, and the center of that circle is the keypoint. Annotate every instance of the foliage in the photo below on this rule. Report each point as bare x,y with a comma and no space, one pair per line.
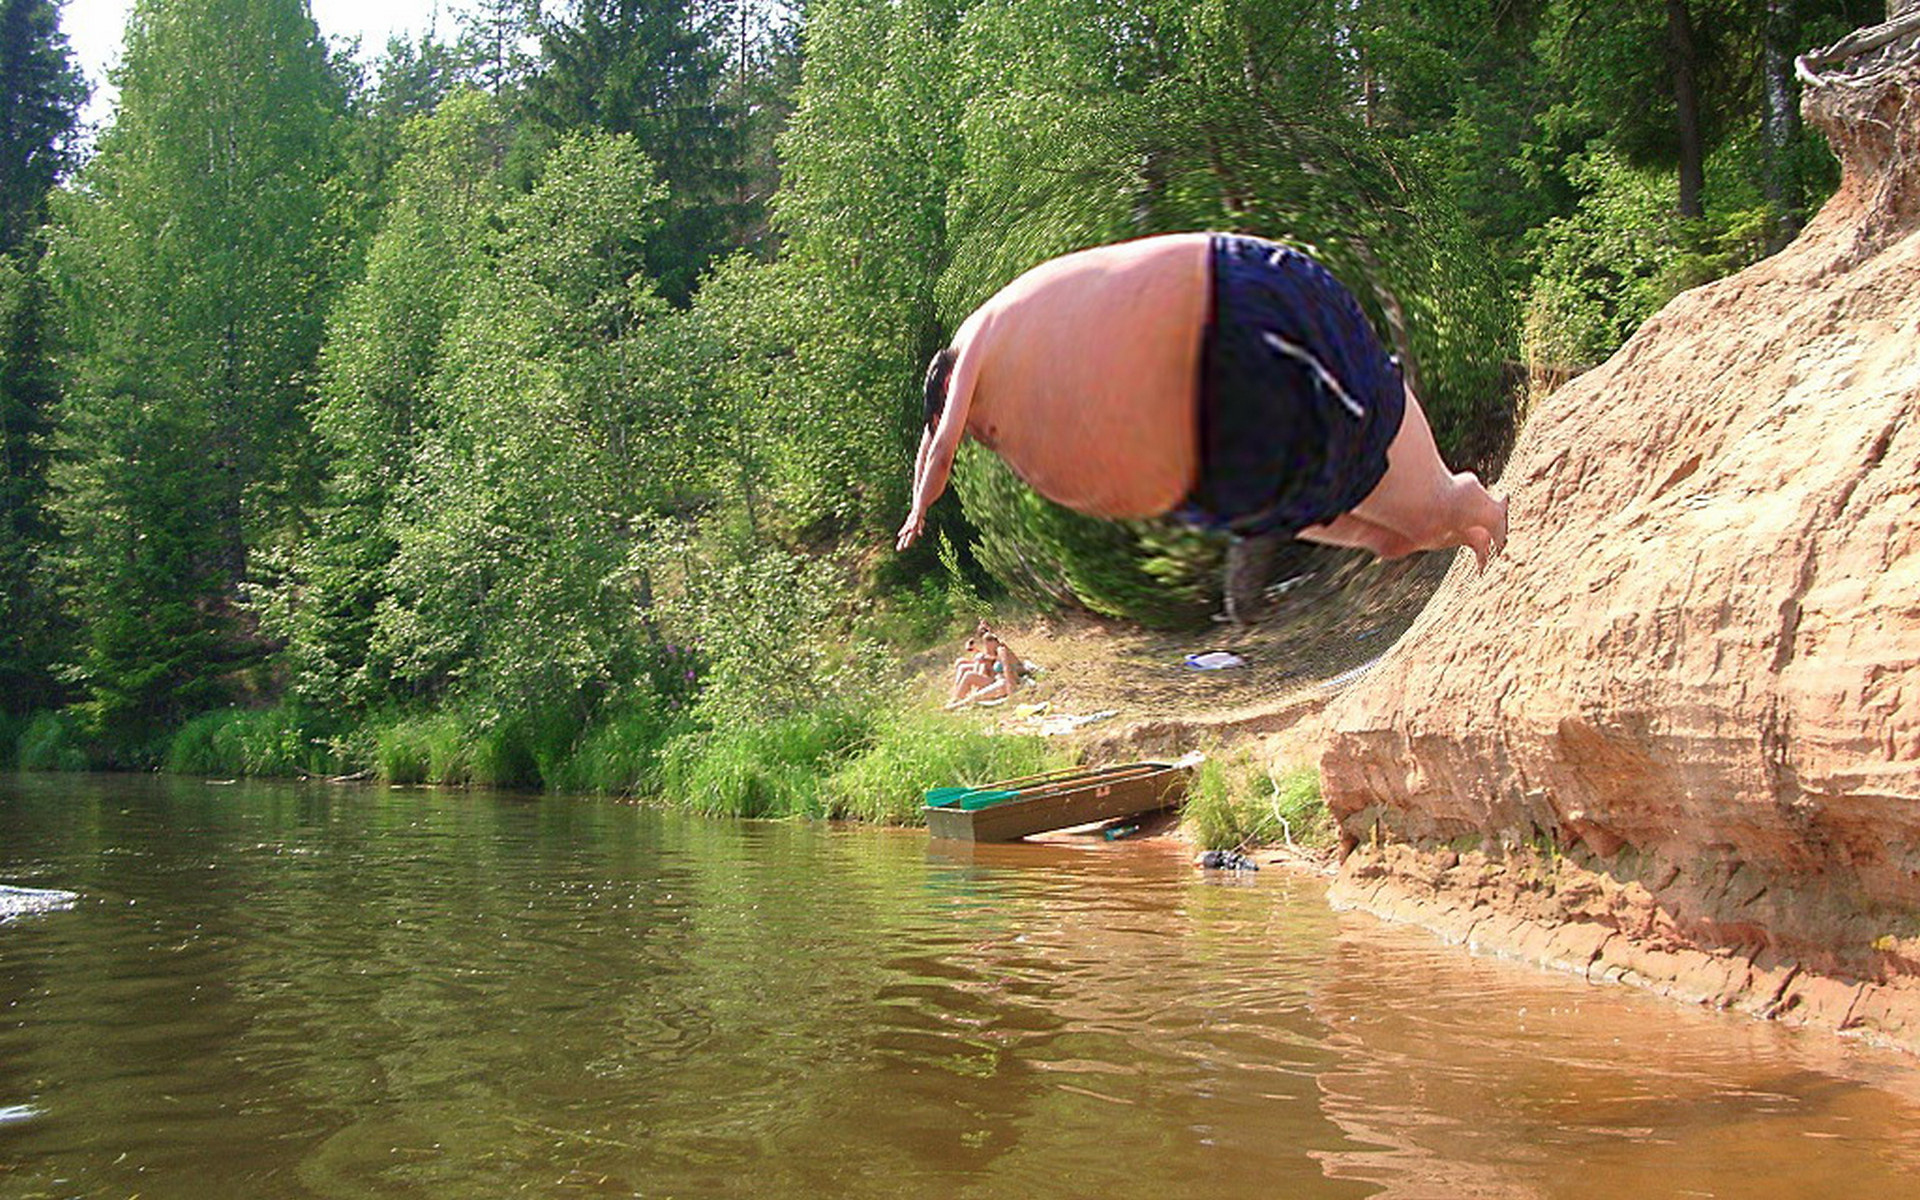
53,741
908,751
771,767
382,346
1236,802
190,271
509,582
644,68
770,628
275,741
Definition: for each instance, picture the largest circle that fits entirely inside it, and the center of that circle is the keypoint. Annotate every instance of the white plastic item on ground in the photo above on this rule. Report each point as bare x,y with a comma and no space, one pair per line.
1217,660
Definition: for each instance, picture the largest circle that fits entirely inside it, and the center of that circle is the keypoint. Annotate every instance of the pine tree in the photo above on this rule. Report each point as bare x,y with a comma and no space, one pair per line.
41,91
40,96
647,68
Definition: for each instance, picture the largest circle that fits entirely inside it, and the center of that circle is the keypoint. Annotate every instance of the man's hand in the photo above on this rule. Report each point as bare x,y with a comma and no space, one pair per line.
910,530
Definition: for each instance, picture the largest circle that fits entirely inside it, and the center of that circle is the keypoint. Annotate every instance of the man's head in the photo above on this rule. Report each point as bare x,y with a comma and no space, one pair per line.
939,375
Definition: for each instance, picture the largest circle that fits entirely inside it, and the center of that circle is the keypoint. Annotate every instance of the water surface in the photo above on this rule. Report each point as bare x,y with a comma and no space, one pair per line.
302,991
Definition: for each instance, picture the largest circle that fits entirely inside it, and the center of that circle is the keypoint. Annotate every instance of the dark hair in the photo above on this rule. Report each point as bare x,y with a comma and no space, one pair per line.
939,375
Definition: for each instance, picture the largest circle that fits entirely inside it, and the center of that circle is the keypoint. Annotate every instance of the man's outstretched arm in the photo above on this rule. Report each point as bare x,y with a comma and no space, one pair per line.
934,462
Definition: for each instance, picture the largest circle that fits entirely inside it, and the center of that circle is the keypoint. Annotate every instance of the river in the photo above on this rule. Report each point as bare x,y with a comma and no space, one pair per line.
279,990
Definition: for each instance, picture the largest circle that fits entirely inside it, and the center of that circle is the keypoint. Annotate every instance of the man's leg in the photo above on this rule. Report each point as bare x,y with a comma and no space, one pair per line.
1249,566
1426,505
1360,534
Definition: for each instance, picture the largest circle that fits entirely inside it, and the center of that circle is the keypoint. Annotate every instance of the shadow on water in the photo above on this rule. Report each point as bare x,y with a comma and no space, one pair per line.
268,991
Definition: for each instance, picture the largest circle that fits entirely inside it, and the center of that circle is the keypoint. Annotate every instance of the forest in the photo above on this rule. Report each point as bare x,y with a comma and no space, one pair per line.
532,404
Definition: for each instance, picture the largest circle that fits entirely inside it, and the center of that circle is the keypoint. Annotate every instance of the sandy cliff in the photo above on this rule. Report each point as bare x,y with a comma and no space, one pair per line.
1674,736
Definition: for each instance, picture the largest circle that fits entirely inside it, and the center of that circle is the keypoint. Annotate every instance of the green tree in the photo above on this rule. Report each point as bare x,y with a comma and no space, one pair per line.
28,615
647,68
40,96
492,46
871,154
383,344
191,267
41,91
509,586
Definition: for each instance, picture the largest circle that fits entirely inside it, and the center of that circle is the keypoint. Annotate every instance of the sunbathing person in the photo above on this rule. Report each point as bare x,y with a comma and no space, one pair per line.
969,677
1230,382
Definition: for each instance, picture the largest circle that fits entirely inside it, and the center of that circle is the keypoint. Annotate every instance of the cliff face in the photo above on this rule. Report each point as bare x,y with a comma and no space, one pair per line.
1673,737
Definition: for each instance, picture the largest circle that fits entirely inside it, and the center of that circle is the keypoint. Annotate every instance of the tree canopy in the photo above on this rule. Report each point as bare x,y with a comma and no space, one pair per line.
557,373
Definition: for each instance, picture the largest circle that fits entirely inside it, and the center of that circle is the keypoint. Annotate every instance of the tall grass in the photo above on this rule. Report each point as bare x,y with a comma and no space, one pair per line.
53,741
1236,802
275,741
424,749
775,768
619,753
907,752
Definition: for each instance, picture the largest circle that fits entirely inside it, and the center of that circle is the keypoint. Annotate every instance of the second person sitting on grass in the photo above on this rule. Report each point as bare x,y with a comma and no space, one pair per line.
996,673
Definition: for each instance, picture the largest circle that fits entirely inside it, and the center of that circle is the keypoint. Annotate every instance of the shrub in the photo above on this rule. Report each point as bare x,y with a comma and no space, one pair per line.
619,752
248,741
1235,802
774,768
908,752
53,741
12,725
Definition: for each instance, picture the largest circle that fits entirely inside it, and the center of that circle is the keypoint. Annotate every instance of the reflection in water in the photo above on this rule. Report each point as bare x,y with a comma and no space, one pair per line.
272,991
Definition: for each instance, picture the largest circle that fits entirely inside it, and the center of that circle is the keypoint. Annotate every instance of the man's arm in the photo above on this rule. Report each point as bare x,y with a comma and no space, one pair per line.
935,459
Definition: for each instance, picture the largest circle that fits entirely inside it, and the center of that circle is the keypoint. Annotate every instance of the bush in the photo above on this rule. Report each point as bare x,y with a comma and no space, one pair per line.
12,725
53,741
619,753
1235,802
774,768
248,741
911,751
424,749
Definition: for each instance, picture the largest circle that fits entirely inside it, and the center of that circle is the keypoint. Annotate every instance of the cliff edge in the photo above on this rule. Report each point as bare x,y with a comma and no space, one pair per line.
1673,737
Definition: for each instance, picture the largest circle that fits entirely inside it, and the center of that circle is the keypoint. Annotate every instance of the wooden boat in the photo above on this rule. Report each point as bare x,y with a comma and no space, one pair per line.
1014,808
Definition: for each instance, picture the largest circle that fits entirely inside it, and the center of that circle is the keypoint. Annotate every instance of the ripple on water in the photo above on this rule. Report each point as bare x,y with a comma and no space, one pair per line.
20,901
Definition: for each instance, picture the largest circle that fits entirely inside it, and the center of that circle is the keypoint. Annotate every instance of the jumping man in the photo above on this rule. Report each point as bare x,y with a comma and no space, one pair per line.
1229,381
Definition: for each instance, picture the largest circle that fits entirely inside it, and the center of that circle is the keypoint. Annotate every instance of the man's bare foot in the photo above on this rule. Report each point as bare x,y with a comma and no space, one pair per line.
1486,543
1479,540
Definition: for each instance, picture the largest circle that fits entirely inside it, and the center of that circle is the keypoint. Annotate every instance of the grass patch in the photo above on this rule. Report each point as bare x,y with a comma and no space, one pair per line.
908,752
775,768
619,753
248,741
1235,802
423,749
53,741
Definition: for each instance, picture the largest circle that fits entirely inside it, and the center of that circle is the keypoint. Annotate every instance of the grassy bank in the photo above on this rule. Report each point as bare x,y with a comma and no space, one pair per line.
1238,801
864,761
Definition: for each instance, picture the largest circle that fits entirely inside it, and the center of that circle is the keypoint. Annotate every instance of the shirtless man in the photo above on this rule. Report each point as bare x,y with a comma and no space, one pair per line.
1228,381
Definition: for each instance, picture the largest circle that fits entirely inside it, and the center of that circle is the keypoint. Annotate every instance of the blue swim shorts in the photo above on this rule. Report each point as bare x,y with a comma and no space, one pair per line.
1298,400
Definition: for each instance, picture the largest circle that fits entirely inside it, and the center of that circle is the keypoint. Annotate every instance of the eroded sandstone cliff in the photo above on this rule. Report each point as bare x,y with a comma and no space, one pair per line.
1673,737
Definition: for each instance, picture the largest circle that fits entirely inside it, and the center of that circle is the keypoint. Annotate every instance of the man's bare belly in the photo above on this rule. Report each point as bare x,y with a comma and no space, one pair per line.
1090,372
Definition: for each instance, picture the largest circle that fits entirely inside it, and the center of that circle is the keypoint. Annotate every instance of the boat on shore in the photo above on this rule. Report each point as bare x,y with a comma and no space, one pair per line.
1014,808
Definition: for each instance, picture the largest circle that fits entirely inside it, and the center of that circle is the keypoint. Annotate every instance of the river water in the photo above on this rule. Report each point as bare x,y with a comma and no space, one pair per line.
301,991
